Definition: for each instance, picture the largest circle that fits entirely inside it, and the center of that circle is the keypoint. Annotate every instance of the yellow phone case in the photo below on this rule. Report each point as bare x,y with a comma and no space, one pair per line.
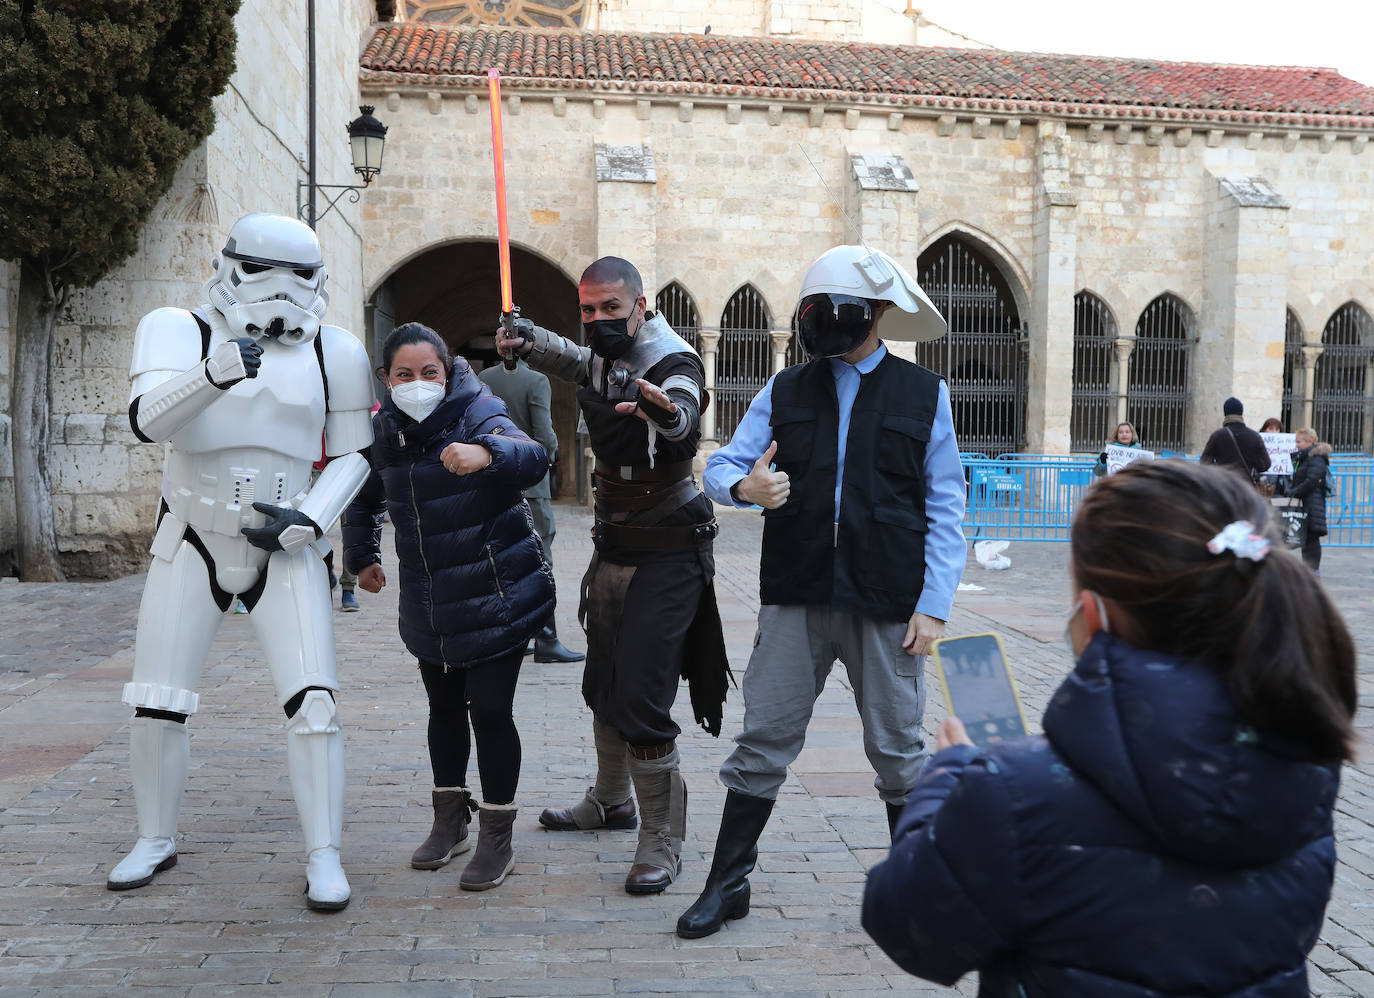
944,682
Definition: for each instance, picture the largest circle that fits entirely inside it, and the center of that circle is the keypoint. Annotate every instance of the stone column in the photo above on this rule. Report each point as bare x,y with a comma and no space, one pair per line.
1244,300
1310,353
708,341
1124,346
1049,400
782,338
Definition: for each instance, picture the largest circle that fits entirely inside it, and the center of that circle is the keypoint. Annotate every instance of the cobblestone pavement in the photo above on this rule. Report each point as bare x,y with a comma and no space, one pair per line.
230,918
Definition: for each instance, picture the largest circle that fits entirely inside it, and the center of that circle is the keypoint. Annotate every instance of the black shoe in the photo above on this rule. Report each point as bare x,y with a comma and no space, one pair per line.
894,814
547,647
726,894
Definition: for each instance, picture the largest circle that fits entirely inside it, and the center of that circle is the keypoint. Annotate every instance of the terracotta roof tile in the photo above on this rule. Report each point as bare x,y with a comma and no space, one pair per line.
978,79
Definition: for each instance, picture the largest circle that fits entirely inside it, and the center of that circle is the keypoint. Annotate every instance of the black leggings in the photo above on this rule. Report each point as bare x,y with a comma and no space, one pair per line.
487,692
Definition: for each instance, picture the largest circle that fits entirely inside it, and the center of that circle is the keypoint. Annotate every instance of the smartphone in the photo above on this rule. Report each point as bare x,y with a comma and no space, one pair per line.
978,687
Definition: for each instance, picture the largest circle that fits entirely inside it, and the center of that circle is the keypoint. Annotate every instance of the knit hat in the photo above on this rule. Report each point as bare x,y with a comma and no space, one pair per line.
1232,407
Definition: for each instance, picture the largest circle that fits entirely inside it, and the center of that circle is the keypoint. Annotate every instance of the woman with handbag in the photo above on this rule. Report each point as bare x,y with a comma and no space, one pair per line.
1310,463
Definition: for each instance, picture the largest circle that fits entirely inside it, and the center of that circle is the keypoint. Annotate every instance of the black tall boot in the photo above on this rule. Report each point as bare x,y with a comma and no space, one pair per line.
726,894
894,814
547,647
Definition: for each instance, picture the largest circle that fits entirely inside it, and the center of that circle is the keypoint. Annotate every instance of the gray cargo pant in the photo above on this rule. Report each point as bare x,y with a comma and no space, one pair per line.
794,650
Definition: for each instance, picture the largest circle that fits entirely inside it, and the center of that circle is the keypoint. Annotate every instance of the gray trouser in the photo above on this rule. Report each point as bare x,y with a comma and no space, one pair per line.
541,511
794,651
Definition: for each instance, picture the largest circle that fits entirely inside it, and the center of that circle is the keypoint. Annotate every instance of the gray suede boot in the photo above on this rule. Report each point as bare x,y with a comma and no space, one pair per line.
610,803
494,857
449,836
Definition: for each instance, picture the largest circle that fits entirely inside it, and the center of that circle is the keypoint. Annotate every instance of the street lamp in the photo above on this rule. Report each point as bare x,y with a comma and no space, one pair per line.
367,141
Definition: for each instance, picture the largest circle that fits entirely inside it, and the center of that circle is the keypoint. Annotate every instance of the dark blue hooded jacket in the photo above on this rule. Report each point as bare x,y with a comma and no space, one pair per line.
1150,844
474,583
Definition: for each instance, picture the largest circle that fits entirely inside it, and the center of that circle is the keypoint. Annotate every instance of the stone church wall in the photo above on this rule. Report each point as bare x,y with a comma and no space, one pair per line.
105,482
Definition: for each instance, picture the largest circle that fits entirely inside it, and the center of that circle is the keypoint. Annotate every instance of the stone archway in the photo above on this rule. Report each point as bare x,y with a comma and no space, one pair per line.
455,290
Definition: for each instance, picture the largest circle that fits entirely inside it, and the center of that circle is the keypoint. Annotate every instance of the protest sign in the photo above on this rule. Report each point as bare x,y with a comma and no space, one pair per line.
1118,457
1280,447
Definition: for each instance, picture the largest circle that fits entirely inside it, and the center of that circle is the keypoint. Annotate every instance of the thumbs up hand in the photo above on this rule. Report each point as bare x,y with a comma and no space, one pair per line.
763,486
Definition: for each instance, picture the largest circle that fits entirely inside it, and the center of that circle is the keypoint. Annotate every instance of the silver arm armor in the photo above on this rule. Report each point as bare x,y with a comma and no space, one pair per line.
332,492
157,413
559,356
684,417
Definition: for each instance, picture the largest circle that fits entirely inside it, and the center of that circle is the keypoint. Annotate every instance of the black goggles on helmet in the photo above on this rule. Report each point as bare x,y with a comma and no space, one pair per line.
831,325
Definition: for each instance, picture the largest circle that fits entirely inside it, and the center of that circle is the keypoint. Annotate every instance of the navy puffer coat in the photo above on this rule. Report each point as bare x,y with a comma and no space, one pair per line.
1309,484
1150,844
474,583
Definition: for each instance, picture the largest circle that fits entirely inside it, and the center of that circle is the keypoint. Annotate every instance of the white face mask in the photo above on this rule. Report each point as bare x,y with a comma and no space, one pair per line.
417,399
1068,633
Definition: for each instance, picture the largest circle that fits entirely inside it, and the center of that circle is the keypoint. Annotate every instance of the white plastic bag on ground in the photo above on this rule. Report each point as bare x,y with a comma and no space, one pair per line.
989,555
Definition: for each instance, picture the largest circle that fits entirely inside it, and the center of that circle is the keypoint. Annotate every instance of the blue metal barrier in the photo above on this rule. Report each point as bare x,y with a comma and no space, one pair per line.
1027,497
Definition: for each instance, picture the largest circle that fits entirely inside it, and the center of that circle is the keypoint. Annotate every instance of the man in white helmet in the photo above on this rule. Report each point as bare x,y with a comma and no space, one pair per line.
240,390
853,458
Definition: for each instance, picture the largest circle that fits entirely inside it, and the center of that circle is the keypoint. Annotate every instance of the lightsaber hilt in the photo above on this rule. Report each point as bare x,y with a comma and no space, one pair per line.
508,322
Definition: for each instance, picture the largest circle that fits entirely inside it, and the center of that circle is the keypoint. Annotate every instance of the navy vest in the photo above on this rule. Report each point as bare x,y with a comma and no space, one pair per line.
873,563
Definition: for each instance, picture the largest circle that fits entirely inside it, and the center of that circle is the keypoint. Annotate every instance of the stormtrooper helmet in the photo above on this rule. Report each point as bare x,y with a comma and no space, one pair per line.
269,280
840,295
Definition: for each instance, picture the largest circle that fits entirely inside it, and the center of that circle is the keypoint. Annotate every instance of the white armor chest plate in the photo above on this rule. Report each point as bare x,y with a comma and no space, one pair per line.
255,444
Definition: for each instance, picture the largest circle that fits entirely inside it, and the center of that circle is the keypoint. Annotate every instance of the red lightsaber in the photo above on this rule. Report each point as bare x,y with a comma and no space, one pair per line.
509,313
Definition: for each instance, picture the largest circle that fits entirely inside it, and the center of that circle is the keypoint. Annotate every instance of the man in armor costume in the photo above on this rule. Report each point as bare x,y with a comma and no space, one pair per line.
853,457
240,390
648,601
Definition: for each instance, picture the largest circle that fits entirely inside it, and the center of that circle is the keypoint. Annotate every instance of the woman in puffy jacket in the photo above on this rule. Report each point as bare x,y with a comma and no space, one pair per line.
448,466
1310,463
1171,831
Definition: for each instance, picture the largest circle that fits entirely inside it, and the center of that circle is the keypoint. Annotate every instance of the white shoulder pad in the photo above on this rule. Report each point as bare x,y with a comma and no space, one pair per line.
167,342
346,367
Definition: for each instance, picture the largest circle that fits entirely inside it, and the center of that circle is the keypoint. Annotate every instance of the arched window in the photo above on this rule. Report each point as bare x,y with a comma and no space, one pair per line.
1159,380
1343,406
677,307
1293,387
745,358
982,358
1093,414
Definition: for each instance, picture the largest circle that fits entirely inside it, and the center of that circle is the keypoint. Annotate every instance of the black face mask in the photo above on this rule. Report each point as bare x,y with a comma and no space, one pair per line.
609,338
832,325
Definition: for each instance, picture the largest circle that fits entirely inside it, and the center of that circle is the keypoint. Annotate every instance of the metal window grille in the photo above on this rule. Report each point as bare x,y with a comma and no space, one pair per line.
744,360
680,312
1343,406
1093,414
1293,388
1159,378
983,358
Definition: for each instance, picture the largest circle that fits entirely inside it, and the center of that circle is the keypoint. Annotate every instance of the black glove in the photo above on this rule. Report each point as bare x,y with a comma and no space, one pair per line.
279,518
662,417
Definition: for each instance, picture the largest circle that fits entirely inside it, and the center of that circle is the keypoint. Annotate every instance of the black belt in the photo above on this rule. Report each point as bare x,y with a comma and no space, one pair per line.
683,538
643,473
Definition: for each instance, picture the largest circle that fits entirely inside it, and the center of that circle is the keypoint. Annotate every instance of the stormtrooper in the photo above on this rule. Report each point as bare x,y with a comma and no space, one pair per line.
240,391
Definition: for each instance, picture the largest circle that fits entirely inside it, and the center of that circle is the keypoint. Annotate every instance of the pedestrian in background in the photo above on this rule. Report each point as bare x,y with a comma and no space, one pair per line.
1125,436
1235,445
448,465
525,392
1311,461
1171,832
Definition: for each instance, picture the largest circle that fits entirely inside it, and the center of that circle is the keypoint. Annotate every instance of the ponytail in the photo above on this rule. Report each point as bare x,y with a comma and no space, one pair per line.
1140,539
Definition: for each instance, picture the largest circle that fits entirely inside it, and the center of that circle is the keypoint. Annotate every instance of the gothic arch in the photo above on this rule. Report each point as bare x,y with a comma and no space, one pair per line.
744,358
1343,395
1017,277
1095,372
983,357
1160,372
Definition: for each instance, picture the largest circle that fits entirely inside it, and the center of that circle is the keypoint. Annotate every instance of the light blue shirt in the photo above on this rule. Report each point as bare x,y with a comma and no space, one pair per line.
946,549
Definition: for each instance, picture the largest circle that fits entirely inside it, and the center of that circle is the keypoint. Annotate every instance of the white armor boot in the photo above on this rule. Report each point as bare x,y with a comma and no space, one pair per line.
160,756
315,756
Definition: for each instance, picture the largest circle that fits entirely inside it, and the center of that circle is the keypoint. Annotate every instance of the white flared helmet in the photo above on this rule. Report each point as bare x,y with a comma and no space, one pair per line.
269,279
872,274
